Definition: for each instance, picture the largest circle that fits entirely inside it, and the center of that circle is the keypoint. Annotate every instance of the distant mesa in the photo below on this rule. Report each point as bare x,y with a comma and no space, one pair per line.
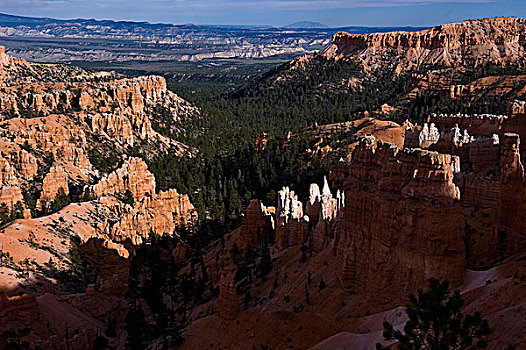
306,25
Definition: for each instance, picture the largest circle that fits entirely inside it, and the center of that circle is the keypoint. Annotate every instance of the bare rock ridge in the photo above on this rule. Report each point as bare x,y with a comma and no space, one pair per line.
55,180
447,62
103,105
108,229
160,213
493,40
401,216
132,176
412,185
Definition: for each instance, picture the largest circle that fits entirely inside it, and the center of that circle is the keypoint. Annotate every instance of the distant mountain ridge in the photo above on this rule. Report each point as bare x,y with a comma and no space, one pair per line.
7,20
306,24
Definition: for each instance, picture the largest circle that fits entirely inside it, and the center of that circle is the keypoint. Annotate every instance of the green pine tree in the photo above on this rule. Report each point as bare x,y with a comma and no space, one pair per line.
437,323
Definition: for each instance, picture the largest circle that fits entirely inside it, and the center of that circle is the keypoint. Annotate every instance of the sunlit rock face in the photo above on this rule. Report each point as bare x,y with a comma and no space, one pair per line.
132,176
311,225
470,42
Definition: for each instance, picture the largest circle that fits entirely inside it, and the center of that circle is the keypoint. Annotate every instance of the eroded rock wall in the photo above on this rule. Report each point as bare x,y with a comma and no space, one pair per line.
394,235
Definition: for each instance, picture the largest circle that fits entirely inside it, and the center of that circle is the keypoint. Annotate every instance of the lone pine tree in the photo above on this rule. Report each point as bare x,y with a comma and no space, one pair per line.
436,322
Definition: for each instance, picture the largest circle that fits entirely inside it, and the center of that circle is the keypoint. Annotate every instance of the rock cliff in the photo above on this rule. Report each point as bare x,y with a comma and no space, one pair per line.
150,212
509,231
132,176
493,40
55,180
10,192
414,186
311,225
160,214
490,178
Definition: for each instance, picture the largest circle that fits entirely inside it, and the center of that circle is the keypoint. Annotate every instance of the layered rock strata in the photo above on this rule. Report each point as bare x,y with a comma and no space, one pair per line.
132,176
159,213
490,179
475,42
395,254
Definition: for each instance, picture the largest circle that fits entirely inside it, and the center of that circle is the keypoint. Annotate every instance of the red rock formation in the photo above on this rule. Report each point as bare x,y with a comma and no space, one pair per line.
491,182
257,230
54,115
511,205
227,304
515,123
182,252
98,103
55,135
113,275
114,126
132,176
403,246
53,182
16,313
510,164
290,223
476,125
161,214
338,173
314,226
478,42
10,192
25,164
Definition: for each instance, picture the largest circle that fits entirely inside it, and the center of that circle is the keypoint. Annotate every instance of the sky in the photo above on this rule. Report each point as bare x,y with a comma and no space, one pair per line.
271,12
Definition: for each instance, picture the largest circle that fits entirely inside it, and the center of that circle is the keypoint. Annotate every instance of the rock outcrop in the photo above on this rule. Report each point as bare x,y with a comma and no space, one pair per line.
258,228
25,164
476,125
57,138
10,192
55,180
160,214
511,224
394,254
132,176
490,178
297,226
476,42
290,228
227,304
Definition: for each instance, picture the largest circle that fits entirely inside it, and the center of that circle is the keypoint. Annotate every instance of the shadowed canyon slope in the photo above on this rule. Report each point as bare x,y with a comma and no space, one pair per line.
444,203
